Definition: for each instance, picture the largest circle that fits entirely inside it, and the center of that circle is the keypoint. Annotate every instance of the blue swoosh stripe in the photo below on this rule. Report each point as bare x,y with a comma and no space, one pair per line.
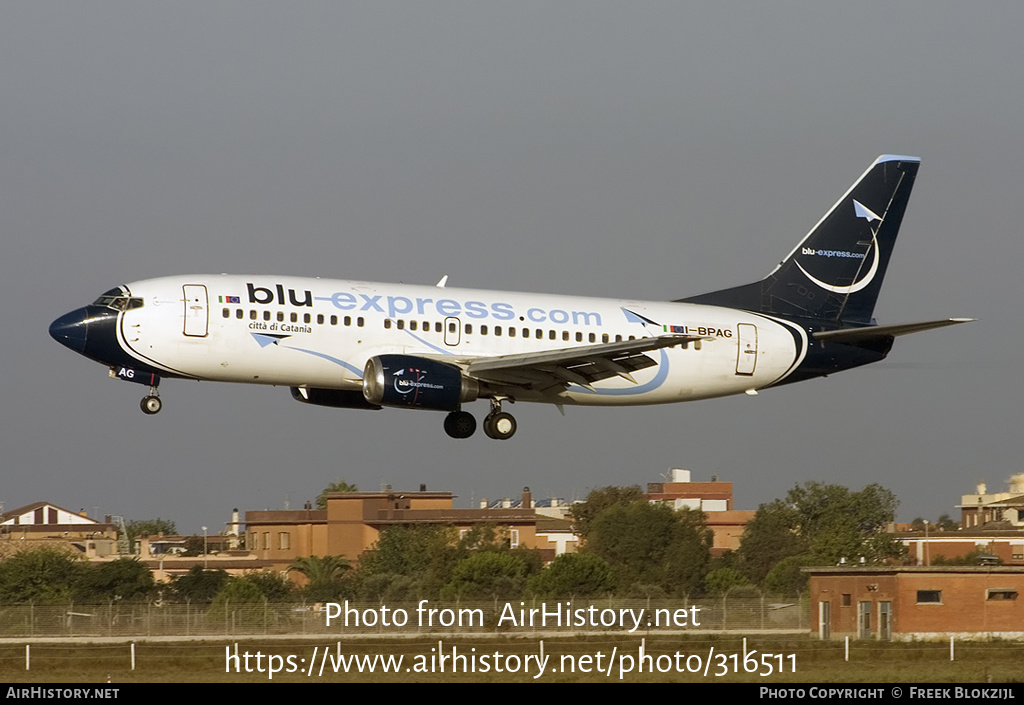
656,381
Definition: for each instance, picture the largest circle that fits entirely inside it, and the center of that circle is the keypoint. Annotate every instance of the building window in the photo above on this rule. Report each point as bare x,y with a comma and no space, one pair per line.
847,599
266,540
1000,594
933,597
284,541
513,538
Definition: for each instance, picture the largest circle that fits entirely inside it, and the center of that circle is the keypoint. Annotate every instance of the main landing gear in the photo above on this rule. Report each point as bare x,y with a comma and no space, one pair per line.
498,424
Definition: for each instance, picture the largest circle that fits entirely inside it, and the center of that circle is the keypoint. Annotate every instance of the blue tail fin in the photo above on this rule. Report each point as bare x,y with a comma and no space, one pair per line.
836,272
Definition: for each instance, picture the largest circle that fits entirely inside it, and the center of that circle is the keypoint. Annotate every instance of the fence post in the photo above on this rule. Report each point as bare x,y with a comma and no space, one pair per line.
28,656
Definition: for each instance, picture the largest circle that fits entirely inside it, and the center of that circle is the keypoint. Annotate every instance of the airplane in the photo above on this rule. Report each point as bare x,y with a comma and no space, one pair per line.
363,345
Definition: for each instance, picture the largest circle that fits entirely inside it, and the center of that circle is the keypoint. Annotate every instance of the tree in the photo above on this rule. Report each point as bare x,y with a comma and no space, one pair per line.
411,561
488,574
124,579
241,601
150,527
721,580
826,523
650,544
324,574
583,513
339,486
45,574
274,586
574,575
199,585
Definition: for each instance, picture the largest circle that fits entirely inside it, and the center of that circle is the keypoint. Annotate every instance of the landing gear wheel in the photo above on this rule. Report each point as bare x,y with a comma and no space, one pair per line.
500,425
151,405
459,424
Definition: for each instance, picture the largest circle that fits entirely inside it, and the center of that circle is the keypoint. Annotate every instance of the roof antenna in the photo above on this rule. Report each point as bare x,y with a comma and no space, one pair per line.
444,280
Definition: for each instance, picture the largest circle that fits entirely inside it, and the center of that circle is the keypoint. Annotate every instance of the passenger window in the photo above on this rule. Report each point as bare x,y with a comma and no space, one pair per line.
266,315
387,324
334,320
483,330
511,332
593,338
579,337
320,318
359,322
401,324
227,313
604,338
348,320
438,328
239,314
306,318
280,316
497,330
469,329
412,325
294,317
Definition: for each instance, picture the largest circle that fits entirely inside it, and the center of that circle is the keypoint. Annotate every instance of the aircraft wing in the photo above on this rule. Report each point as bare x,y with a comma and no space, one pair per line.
580,365
853,336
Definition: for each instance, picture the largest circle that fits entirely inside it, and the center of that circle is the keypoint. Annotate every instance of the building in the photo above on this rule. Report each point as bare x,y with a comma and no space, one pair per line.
713,498
917,602
43,522
1002,546
353,520
981,508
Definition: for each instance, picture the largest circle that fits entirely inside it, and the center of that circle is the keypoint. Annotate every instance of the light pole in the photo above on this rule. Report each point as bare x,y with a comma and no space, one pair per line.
204,548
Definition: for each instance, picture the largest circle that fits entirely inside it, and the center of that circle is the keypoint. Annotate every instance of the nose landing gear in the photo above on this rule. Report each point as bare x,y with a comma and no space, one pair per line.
151,404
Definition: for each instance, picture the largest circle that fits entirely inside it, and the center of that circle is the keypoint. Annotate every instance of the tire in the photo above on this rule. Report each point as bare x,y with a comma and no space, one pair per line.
500,426
151,405
459,424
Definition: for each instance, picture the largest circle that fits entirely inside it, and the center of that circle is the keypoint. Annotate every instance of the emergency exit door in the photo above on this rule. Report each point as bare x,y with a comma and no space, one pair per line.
197,320
746,356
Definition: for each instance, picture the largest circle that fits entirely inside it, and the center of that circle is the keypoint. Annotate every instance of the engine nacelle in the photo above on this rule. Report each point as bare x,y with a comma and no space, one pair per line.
338,398
416,382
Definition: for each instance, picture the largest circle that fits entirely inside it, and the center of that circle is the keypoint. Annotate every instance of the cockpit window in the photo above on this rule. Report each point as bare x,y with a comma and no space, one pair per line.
118,300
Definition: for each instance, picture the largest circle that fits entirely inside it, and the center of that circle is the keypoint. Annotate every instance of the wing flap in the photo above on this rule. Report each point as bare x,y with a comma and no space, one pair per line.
581,365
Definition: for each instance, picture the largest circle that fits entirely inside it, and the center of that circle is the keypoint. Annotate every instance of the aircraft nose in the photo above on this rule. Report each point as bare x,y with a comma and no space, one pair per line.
72,330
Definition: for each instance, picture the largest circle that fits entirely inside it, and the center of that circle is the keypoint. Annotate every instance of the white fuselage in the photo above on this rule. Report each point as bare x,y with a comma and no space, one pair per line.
306,332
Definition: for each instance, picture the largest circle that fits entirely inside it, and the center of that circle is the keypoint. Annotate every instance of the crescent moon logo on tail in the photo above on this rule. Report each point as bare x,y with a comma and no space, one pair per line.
867,214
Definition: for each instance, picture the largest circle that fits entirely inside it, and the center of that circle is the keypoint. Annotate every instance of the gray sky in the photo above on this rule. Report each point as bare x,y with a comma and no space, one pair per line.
647,150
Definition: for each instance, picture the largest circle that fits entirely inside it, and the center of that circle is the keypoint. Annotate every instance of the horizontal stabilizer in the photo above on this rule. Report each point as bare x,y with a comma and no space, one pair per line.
853,336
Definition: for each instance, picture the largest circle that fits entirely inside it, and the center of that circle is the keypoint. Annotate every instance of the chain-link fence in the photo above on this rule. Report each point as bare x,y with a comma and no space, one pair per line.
118,619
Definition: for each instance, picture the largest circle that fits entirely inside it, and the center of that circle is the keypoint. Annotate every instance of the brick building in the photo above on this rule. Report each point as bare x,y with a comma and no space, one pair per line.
353,521
917,602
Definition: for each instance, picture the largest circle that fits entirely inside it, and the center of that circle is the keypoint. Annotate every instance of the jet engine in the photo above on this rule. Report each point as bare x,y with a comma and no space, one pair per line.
409,381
